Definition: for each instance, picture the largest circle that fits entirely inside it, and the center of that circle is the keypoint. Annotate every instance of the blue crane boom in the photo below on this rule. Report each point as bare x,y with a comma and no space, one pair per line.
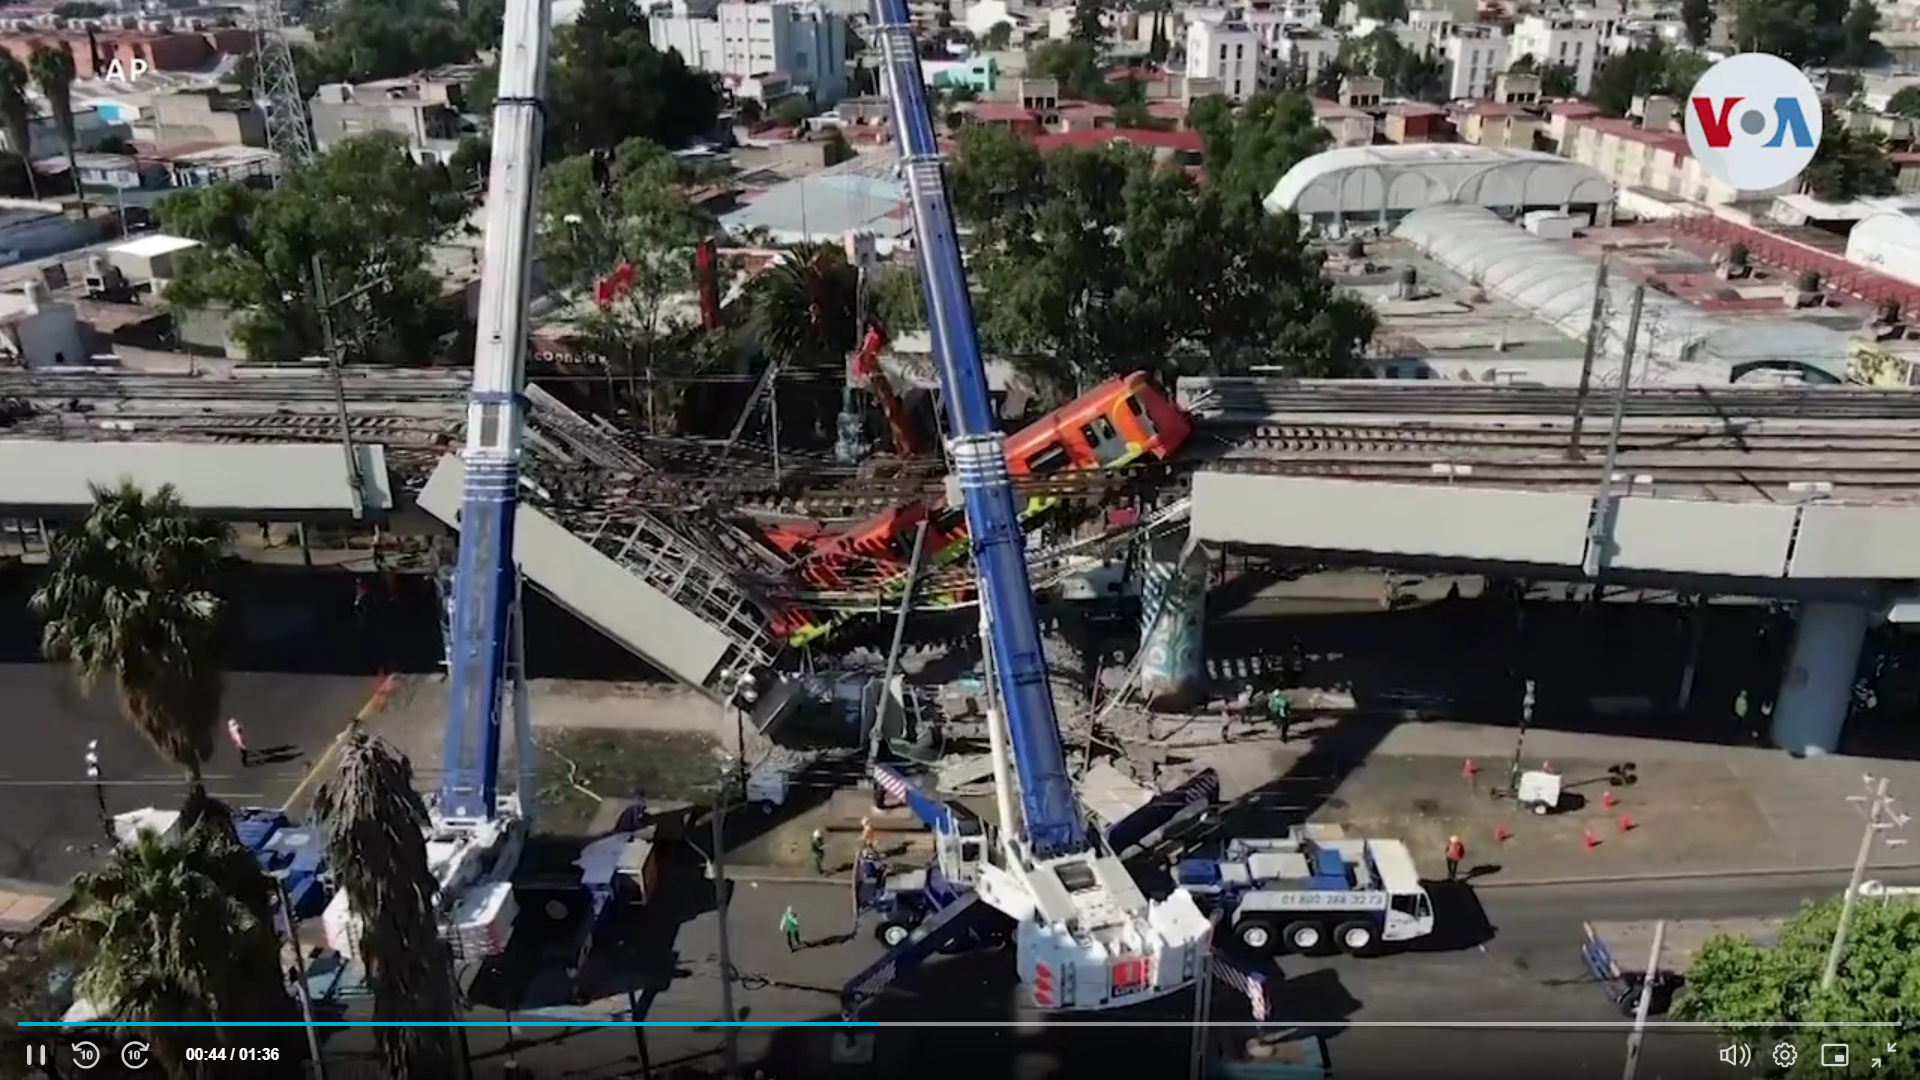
1052,814
481,631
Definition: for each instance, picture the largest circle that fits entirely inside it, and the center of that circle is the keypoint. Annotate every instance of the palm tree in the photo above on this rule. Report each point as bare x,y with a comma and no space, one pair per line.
373,827
179,930
53,71
16,113
805,312
130,600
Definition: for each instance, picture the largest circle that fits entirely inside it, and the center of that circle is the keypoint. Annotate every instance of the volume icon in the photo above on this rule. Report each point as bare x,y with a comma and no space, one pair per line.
1739,1054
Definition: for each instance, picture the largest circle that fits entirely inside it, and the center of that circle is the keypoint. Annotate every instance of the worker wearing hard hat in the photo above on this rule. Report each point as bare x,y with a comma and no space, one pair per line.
869,839
818,846
1456,851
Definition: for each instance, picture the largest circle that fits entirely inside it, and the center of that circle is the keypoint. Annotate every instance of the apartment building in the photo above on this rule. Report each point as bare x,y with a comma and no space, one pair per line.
1227,51
424,110
1298,52
1562,41
1650,155
1497,126
197,119
1474,55
741,41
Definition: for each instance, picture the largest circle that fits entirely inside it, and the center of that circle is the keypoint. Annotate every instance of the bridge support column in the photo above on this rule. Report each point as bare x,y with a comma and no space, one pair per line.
1173,605
1817,690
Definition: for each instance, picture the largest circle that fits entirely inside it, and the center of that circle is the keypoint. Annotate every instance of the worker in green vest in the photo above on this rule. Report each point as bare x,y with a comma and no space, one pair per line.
790,929
1280,711
818,846
1740,707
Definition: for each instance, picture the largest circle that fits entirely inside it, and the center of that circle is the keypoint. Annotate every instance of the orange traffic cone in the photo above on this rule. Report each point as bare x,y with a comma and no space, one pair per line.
1626,823
1501,835
1589,841
1607,800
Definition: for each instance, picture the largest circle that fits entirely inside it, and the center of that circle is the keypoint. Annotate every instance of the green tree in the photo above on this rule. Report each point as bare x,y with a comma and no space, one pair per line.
1558,80
130,601
610,84
16,112
373,826
81,9
1248,150
1857,47
1642,71
792,110
1386,11
894,299
1407,72
1905,102
182,930
1089,22
365,209
1748,987
1102,261
1802,32
1697,16
363,40
628,210
1075,63
999,36
1849,164
53,72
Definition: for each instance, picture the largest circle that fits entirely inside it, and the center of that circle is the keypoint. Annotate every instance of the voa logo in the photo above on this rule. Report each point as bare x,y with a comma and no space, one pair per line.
1753,122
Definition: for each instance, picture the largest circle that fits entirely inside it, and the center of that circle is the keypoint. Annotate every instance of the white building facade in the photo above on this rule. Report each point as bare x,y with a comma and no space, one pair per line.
1474,56
1226,51
742,40
1307,52
1562,41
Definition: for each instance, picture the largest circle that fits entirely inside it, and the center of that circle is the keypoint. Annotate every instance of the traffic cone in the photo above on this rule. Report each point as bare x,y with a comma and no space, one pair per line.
1501,835
1607,800
1589,841
1626,823
1469,770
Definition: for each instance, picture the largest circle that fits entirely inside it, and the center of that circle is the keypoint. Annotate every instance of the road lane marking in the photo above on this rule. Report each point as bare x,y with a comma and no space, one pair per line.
375,702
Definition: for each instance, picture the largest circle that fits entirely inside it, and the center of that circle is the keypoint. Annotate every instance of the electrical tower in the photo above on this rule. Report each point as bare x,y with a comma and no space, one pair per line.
277,87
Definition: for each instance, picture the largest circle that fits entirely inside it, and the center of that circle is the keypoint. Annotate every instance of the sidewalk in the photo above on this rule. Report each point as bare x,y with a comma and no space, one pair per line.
1696,808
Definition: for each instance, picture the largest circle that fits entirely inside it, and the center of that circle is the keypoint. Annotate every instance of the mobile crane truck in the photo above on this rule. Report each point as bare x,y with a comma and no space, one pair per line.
1299,893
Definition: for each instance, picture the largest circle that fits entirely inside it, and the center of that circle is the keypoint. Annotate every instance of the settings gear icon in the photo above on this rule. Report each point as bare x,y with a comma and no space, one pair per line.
1784,1055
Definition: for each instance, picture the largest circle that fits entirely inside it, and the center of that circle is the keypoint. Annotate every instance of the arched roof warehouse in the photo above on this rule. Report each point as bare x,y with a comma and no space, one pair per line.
1555,283
1365,180
1887,242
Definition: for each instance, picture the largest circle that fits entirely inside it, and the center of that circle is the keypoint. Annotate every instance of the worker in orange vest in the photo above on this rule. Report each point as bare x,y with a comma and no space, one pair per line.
238,736
1456,851
869,838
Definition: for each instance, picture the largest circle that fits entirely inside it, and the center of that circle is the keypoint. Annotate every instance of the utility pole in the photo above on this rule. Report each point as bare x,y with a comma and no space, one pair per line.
1202,1010
297,973
1595,332
1880,815
1599,532
731,1034
877,738
1645,1007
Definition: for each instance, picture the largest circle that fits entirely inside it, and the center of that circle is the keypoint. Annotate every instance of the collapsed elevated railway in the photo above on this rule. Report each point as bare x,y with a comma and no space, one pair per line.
790,553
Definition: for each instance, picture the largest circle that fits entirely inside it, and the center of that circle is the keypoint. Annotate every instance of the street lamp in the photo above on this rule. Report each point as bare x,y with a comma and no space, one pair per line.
99,789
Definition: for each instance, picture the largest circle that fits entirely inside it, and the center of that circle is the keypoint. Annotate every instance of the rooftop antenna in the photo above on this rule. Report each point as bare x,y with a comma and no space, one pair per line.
277,87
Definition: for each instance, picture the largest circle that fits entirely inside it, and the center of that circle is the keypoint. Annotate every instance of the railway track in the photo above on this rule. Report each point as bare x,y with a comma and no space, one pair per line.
89,386
1234,402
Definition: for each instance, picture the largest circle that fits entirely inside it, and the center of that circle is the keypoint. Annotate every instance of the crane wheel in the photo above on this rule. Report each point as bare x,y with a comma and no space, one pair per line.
1255,935
1356,938
1305,938
892,934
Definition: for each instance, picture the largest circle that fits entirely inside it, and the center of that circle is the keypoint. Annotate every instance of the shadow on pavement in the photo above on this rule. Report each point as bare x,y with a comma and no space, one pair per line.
295,620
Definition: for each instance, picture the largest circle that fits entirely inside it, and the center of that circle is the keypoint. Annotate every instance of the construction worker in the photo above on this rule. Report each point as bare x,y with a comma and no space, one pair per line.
818,846
790,929
869,837
1740,708
238,736
1456,851
360,601
1280,711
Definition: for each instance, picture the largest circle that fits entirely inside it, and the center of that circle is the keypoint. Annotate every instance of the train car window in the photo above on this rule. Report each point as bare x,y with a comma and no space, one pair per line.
1051,460
1139,412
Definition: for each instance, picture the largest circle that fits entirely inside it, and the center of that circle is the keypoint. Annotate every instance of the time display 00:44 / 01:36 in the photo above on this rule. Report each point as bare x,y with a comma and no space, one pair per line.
239,1054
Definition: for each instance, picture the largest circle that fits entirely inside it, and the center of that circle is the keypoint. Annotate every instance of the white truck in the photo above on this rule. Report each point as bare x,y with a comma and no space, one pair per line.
1309,889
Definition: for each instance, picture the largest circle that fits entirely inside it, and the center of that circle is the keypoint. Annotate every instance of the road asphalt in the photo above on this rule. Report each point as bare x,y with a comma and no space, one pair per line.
1505,959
